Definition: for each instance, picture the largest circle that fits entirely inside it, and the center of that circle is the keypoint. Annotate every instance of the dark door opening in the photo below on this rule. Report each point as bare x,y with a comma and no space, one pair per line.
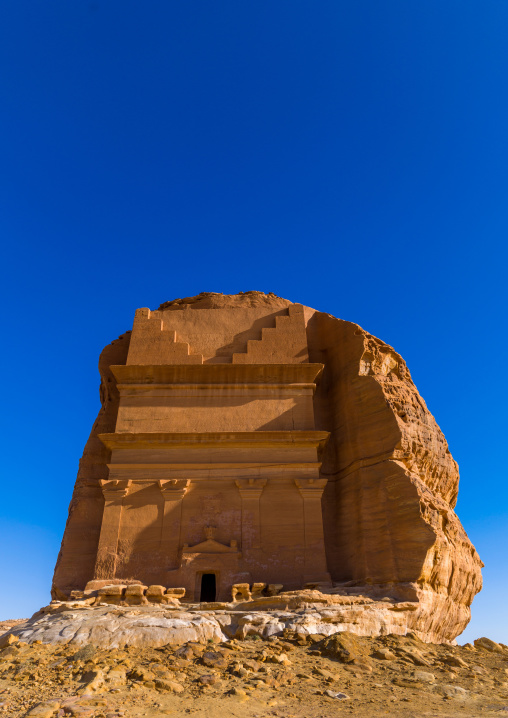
208,587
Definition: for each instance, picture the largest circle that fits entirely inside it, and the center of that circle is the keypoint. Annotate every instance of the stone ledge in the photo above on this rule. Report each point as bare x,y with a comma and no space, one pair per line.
301,612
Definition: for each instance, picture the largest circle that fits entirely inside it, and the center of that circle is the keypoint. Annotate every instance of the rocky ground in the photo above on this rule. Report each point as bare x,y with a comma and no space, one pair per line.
290,676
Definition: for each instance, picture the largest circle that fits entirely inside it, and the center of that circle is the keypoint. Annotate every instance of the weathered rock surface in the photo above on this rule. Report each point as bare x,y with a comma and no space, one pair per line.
389,481
304,613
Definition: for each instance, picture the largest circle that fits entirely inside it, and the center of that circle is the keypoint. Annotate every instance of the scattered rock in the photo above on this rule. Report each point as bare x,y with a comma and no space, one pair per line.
334,694
305,676
46,709
8,639
323,673
171,686
384,654
96,682
413,655
213,660
479,670
186,653
208,679
56,681
251,665
488,645
455,661
424,677
343,646
450,691
85,654
141,674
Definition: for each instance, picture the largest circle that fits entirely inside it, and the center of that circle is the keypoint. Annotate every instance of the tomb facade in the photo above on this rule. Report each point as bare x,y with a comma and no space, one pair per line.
246,439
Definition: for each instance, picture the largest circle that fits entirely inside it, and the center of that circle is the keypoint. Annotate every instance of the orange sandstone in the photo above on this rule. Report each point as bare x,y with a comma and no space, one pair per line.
245,439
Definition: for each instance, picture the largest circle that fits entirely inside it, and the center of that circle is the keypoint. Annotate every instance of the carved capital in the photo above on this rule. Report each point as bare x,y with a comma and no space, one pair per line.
311,488
115,490
174,489
251,488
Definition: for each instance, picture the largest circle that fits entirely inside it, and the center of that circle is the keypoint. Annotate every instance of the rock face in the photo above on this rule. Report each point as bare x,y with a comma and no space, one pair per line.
247,440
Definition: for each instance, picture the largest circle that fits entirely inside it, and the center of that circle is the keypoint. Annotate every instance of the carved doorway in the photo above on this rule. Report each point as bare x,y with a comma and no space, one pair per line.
208,587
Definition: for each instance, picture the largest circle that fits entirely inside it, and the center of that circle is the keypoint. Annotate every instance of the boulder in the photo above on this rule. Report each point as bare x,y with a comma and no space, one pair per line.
240,592
135,595
111,594
8,639
488,645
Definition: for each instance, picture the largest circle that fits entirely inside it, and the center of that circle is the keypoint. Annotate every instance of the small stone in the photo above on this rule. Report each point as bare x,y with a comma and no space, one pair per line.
413,655
141,674
170,686
357,667
238,692
85,654
214,660
259,683
424,677
334,694
208,679
325,674
185,652
252,665
316,637
116,676
44,710
384,654
451,691
197,648
455,661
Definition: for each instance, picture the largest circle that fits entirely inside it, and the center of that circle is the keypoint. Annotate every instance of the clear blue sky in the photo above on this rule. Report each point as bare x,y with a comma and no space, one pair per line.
351,156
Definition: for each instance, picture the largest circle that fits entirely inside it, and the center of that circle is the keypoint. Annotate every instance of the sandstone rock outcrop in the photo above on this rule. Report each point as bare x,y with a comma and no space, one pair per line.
107,622
247,440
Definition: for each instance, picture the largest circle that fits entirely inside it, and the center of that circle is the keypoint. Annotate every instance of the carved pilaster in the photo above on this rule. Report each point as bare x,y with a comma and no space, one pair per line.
311,491
173,491
114,493
250,493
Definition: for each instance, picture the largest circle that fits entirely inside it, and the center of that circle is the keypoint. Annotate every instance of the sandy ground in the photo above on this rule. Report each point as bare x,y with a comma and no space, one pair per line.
286,677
